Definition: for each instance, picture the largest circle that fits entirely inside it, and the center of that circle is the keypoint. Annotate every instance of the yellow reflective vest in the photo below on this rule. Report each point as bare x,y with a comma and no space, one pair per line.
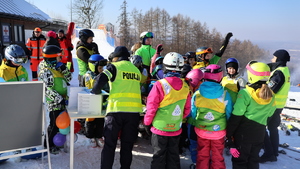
125,93
282,95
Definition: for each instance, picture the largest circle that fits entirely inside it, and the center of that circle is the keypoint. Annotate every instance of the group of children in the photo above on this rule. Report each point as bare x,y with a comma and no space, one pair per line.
188,94
221,111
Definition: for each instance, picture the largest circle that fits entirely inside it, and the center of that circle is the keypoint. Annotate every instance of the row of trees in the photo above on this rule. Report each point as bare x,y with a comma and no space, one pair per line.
177,33
181,34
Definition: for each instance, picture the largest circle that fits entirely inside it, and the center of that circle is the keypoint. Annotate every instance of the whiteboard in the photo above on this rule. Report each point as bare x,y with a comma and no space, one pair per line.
21,115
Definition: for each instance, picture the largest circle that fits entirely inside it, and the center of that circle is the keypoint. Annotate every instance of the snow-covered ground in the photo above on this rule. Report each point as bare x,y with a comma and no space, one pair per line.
86,157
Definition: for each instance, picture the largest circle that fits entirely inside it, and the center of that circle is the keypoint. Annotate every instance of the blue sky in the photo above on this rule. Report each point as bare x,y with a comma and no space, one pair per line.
255,20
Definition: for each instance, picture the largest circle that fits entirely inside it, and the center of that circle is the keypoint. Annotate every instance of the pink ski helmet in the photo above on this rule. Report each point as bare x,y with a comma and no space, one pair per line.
195,76
213,73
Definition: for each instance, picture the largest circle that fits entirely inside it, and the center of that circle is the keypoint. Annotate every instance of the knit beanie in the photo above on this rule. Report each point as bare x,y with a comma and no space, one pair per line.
61,31
233,64
51,34
282,55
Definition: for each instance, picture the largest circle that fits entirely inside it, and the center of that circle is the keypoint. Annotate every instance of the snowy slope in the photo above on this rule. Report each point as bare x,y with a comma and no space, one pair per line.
100,39
89,158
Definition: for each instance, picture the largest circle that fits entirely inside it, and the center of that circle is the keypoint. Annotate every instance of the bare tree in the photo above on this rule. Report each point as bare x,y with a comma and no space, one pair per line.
87,12
124,33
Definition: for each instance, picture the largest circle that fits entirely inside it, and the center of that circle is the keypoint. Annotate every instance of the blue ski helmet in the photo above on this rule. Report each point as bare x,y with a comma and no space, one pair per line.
232,62
96,60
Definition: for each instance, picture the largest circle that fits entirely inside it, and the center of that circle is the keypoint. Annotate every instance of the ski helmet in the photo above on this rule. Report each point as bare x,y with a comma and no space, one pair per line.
136,60
282,55
173,61
84,34
16,54
145,35
232,62
190,55
96,60
194,77
202,50
213,72
159,60
50,53
257,71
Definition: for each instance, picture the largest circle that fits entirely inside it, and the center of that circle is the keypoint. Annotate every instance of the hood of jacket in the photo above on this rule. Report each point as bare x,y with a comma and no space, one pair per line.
211,90
255,95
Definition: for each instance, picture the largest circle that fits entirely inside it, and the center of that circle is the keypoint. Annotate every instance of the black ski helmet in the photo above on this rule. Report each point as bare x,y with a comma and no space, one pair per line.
190,55
84,34
16,54
136,60
50,53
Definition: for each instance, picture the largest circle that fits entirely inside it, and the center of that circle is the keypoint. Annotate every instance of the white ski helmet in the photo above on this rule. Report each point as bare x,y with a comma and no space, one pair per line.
173,61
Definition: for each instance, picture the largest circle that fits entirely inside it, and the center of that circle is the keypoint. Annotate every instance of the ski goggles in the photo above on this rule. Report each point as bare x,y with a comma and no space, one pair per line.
20,60
99,63
208,50
148,35
17,60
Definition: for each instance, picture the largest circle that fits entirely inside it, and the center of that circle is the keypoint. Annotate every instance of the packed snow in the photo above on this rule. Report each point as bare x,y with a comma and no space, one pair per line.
86,157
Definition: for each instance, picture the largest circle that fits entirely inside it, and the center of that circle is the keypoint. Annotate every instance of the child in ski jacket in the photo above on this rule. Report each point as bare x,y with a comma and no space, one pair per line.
94,126
203,54
211,107
55,75
168,103
246,127
11,68
84,49
232,82
146,51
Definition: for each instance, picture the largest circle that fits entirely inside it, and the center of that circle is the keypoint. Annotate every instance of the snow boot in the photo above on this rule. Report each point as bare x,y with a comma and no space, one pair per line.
264,158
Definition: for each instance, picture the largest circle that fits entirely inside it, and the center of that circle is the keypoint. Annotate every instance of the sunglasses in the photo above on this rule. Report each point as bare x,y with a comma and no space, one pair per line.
37,32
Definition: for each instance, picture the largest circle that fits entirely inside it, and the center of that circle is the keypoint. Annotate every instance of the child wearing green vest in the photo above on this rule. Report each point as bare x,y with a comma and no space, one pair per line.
94,126
84,49
167,104
211,107
55,75
247,124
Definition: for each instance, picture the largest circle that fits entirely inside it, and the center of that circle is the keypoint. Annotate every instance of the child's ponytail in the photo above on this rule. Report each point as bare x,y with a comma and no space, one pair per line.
265,92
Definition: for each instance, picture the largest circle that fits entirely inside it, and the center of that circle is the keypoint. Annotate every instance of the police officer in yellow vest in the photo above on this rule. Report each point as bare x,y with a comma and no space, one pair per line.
124,106
279,82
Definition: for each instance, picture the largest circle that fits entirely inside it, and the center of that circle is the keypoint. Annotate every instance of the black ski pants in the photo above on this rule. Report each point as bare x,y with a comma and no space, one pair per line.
249,156
127,124
94,129
166,152
52,128
271,141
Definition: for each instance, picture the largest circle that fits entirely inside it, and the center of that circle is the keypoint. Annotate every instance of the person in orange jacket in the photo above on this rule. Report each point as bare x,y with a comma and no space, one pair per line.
35,45
66,46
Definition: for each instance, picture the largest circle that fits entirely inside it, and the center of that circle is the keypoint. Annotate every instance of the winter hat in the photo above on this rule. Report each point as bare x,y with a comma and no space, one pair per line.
121,51
61,31
51,34
234,65
282,55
